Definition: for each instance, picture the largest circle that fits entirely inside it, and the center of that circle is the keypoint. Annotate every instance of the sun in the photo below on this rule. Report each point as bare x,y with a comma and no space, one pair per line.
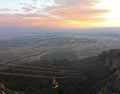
113,16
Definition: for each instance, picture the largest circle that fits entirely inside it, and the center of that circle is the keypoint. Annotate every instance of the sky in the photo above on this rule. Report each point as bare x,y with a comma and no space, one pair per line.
60,13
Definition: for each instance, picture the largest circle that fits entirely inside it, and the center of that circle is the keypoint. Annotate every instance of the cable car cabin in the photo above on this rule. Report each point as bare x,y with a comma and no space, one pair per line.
55,83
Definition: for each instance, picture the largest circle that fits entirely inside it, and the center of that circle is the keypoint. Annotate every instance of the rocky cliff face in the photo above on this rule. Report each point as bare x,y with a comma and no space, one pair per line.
3,89
111,60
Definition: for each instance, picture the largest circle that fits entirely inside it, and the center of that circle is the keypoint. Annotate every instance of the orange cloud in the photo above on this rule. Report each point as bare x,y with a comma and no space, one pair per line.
66,13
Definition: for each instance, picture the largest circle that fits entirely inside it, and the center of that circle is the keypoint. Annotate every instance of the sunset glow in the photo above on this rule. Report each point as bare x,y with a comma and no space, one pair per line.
60,13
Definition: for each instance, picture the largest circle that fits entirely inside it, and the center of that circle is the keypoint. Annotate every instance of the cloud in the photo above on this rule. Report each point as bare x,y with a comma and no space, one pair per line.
80,10
5,10
57,13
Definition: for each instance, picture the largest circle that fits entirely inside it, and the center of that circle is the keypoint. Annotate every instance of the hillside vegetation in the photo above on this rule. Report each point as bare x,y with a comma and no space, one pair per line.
97,75
82,60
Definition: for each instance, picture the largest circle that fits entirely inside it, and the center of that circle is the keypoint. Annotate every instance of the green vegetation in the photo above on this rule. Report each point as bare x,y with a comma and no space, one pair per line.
96,73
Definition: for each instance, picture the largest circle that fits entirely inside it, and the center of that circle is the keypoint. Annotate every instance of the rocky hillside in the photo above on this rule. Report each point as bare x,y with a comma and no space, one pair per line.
97,75
4,90
104,70
111,60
